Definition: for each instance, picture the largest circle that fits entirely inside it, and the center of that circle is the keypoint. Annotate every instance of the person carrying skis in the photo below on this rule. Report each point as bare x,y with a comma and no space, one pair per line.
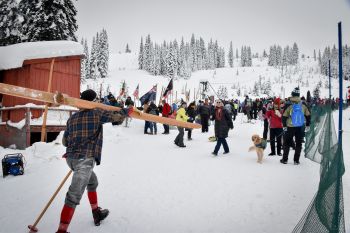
181,116
83,138
223,122
293,120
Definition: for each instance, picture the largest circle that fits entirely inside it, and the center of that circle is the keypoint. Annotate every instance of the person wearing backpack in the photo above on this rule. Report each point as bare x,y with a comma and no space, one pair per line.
293,120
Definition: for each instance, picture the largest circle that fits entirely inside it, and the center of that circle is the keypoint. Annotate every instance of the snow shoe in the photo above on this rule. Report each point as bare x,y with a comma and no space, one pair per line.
99,214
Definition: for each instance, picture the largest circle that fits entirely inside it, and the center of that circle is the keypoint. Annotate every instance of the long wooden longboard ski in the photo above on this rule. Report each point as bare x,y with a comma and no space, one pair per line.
63,99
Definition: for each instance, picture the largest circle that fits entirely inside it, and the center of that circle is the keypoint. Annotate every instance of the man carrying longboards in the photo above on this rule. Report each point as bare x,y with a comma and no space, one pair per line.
83,138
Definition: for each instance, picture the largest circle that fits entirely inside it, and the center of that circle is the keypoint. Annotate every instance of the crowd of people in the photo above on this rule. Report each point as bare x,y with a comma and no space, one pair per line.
286,120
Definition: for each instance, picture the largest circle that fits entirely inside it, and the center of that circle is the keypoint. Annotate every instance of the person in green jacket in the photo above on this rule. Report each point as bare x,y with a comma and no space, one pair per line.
181,116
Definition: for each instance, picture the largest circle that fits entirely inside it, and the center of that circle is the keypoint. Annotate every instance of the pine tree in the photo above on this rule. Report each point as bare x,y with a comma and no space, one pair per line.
295,54
93,60
264,53
87,60
237,54
127,49
10,26
249,57
45,20
103,54
170,61
314,54
83,63
230,56
141,55
147,55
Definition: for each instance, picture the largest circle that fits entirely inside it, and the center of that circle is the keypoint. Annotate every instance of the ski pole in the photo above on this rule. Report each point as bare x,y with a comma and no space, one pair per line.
33,227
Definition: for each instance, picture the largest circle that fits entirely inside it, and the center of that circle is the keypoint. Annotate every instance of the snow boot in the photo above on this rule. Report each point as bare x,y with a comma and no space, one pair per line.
283,161
99,214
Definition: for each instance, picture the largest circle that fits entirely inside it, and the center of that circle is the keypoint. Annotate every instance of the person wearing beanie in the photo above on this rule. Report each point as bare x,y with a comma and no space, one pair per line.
295,116
83,139
274,116
181,116
223,123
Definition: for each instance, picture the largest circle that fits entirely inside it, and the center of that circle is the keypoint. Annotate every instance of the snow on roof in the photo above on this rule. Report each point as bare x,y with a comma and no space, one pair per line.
13,56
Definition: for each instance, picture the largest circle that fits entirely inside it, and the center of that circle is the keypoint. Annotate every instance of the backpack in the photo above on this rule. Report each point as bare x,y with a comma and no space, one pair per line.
297,115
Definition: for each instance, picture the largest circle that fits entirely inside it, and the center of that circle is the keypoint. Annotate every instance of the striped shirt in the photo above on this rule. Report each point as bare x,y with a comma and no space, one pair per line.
83,136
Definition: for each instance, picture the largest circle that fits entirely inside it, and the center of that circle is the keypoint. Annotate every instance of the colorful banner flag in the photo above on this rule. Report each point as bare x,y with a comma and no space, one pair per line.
168,89
150,95
136,92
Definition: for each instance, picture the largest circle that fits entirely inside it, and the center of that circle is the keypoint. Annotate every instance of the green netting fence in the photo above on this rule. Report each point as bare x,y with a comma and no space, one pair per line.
326,211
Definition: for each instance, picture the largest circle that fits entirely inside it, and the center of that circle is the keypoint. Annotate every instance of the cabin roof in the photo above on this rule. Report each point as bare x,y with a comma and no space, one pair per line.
13,56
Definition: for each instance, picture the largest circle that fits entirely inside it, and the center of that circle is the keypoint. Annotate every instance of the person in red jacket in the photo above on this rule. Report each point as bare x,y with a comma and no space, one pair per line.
276,128
165,113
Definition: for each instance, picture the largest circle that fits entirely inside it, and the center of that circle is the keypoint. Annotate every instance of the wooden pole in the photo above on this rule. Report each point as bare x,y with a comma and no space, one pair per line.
43,128
33,227
161,95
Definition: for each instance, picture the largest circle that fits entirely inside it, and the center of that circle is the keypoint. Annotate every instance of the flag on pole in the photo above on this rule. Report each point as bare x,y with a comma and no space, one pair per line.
136,92
150,95
122,90
168,89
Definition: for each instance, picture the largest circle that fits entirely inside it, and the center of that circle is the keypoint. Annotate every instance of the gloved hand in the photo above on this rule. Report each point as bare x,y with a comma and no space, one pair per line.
307,129
285,129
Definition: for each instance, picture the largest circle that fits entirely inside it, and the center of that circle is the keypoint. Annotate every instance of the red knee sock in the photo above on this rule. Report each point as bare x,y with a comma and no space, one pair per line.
93,200
66,217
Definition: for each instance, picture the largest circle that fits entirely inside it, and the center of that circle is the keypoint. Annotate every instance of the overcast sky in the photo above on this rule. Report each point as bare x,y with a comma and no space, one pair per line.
258,23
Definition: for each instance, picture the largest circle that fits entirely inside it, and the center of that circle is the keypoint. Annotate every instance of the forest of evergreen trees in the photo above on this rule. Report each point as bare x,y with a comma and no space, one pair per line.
179,60
174,60
333,56
95,63
37,20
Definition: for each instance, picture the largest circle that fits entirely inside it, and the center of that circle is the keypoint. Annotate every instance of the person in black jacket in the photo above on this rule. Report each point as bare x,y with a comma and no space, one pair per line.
204,112
191,113
223,122
153,109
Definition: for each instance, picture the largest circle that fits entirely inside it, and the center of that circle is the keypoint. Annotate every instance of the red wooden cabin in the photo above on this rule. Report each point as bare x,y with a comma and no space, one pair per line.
28,65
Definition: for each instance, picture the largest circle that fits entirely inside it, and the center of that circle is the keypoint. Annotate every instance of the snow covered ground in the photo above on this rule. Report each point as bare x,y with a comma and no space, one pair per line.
150,185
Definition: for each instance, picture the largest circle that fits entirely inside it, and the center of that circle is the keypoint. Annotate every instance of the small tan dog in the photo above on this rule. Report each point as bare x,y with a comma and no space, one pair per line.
259,146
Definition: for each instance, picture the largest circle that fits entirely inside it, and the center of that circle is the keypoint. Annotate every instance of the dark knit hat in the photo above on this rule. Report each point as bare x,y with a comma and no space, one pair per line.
296,92
89,95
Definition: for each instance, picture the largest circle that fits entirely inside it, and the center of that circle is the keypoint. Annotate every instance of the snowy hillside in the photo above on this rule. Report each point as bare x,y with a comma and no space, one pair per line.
124,67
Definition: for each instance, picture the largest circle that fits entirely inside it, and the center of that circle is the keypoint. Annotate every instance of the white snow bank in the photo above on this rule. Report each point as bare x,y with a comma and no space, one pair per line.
13,56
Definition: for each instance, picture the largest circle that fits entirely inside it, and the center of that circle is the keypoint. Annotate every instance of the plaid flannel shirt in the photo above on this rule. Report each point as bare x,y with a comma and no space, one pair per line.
83,136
